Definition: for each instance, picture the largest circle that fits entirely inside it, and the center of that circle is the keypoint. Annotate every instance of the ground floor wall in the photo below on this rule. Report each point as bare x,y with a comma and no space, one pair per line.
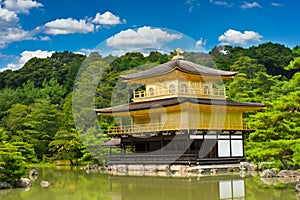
211,147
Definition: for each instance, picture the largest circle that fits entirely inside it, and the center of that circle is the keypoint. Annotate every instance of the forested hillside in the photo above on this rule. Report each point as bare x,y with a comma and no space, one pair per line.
36,122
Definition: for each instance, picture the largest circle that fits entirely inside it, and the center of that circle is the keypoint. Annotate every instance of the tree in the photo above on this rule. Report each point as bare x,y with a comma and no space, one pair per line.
66,145
8,97
294,64
273,56
225,56
27,151
93,139
53,91
281,119
248,80
14,122
28,93
3,135
277,128
274,151
42,125
12,163
248,66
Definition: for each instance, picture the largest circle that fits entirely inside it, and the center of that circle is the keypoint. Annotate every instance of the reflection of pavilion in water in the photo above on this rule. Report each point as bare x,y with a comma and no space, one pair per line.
157,188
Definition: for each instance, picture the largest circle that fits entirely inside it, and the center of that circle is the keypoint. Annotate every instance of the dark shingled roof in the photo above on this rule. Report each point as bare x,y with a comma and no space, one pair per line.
173,101
183,65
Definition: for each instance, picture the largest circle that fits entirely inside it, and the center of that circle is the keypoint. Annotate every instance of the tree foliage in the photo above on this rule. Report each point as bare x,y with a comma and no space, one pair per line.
12,162
42,124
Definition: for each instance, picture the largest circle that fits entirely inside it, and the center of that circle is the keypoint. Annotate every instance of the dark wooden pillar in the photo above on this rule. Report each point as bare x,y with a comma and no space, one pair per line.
161,145
132,143
146,145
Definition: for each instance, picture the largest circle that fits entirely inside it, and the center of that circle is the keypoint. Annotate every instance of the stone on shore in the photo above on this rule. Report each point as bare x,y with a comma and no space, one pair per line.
297,186
288,173
23,183
45,184
4,185
268,173
247,166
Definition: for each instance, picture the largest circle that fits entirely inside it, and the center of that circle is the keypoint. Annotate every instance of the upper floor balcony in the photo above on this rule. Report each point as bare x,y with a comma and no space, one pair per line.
176,125
190,92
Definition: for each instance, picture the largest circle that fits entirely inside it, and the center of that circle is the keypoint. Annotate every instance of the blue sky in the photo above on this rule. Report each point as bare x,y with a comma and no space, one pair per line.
38,28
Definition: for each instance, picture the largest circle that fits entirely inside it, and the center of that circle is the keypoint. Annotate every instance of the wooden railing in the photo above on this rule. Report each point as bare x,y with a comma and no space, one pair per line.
176,125
191,92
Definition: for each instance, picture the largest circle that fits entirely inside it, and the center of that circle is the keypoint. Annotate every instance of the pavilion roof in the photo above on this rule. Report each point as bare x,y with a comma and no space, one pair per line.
180,64
174,101
112,143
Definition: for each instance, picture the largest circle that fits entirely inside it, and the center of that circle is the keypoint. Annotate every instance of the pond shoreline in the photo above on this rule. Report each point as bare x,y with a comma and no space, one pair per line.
243,169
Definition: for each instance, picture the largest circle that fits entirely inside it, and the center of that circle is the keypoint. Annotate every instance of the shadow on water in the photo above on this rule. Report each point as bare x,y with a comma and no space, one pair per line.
76,184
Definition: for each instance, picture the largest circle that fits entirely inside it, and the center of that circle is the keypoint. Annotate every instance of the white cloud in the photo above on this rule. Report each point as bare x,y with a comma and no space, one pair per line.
13,34
7,18
247,5
68,26
26,56
277,4
21,6
233,37
86,52
192,4
4,56
142,38
200,43
107,18
222,3
10,29
45,38
80,53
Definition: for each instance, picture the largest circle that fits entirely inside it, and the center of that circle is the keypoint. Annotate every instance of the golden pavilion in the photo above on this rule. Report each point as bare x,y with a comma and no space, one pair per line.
182,117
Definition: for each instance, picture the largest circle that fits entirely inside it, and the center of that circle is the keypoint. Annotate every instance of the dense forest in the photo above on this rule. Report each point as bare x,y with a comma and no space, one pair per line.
36,120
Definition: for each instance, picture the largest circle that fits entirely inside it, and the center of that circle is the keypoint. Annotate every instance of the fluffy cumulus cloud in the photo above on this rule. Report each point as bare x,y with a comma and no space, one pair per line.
10,28
25,56
247,5
233,37
21,6
14,34
68,26
7,17
107,18
142,38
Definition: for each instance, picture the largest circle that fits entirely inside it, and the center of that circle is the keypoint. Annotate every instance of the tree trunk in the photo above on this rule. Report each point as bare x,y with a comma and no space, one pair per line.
286,165
71,162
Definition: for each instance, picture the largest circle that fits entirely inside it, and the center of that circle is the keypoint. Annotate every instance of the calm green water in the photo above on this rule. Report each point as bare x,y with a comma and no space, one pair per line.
72,184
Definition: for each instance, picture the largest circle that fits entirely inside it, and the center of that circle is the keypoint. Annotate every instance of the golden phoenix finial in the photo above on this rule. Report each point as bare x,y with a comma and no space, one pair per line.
178,56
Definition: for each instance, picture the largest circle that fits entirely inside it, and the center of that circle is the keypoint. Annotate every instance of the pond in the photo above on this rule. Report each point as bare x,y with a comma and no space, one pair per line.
75,184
